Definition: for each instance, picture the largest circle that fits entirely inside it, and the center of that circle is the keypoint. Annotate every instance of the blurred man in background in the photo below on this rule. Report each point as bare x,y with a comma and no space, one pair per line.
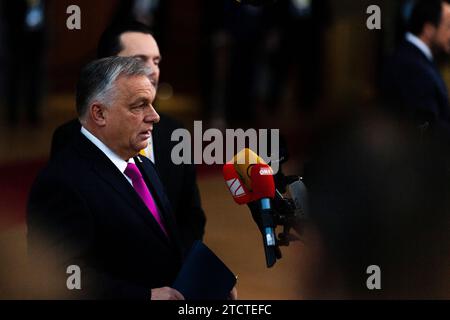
412,83
25,24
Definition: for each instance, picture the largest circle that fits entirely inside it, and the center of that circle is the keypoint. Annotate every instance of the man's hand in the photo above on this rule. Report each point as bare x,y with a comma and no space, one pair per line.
166,293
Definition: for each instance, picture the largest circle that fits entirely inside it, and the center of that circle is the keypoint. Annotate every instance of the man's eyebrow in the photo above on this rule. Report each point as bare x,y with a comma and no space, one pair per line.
139,99
140,56
143,56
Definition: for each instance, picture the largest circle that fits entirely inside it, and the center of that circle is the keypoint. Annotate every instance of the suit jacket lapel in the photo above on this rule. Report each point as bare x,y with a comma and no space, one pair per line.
107,171
157,190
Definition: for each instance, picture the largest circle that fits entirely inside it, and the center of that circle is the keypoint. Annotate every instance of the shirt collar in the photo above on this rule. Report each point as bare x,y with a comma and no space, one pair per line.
118,162
420,45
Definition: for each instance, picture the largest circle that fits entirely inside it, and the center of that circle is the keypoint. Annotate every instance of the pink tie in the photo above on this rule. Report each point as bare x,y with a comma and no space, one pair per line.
139,185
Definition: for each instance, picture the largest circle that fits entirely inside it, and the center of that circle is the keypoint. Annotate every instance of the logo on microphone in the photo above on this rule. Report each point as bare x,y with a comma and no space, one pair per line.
265,171
235,187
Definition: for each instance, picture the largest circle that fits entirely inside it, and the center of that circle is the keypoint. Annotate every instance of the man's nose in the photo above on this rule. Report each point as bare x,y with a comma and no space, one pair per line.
152,115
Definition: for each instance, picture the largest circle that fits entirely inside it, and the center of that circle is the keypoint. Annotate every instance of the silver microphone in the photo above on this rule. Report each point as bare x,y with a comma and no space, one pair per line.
299,195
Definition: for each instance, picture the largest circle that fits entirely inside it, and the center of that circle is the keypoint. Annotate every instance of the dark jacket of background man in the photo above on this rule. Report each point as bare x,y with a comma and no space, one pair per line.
412,82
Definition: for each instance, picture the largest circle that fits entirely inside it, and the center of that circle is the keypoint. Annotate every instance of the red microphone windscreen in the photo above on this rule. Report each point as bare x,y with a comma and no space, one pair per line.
240,193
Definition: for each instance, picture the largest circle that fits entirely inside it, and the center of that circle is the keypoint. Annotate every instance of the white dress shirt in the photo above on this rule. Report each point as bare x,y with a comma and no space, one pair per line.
118,162
419,44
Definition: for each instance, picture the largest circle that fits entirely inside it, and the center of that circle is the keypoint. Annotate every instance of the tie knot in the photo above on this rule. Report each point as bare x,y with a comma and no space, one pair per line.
133,172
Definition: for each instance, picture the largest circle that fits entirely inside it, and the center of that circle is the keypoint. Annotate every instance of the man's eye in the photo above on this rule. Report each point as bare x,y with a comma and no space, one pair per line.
138,106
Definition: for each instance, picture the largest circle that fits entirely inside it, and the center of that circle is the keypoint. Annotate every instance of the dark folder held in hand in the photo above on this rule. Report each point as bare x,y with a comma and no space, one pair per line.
204,276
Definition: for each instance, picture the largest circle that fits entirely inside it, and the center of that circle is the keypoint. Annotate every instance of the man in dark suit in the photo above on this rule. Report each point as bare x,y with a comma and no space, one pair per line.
99,205
131,38
412,82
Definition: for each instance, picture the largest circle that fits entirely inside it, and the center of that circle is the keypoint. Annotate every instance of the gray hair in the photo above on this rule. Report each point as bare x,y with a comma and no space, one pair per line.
97,79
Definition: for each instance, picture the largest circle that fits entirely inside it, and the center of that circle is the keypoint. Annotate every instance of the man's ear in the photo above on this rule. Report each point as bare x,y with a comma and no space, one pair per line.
429,31
98,114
